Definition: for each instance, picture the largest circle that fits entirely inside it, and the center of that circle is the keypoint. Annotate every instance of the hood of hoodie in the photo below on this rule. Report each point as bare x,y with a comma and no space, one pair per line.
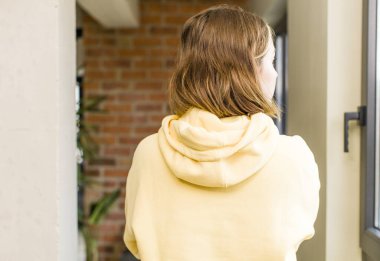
205,150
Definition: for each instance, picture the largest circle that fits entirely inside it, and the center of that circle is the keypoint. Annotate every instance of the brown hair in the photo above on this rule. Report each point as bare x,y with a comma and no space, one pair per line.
218,64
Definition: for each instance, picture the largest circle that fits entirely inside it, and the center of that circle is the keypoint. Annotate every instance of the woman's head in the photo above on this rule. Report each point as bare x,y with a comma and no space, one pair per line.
224,64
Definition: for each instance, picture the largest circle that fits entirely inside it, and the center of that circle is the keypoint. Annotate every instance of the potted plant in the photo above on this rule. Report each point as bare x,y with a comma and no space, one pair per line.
86,150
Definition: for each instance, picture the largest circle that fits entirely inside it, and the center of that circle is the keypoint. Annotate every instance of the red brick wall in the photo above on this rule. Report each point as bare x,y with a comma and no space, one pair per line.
132,67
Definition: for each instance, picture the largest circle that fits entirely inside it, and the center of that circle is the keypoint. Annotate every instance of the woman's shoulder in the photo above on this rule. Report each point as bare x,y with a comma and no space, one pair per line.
298,153
146,143
296,147
142,156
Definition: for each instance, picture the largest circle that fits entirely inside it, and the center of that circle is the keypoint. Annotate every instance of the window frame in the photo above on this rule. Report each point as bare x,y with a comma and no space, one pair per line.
281,66
369,234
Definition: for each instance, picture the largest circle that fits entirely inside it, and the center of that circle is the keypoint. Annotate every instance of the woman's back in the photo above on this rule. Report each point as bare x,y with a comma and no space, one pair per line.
214,189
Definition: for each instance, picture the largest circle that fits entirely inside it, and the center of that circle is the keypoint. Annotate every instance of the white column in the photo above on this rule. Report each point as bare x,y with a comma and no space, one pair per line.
38,212
343,95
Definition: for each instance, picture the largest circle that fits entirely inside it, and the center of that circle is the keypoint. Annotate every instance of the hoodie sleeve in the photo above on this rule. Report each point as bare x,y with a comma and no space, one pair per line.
310,187
130,199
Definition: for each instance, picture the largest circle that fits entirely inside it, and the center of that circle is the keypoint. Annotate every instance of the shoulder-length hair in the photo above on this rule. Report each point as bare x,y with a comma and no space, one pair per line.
218,64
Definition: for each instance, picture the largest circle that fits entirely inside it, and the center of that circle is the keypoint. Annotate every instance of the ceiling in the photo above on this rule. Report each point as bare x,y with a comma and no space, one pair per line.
113,13
125,13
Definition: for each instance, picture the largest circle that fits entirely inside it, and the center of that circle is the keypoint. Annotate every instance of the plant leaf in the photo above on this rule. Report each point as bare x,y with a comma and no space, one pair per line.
101,207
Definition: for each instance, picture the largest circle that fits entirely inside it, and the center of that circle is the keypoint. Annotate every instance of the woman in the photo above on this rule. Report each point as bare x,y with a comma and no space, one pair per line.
218,182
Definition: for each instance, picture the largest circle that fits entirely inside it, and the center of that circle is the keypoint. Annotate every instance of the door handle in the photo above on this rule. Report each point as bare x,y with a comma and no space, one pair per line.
360,116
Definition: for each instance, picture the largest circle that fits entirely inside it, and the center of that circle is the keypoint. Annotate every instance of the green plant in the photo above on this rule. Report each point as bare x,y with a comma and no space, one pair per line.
87,149
98,211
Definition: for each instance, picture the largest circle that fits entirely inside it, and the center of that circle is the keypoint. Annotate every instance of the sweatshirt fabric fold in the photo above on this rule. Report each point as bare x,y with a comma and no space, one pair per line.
209,188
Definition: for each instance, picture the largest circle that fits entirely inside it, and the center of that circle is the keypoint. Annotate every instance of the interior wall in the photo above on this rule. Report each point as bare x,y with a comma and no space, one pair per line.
324,82
38,218
307,100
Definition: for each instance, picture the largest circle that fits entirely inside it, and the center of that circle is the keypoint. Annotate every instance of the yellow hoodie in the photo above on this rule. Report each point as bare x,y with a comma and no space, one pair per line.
220,189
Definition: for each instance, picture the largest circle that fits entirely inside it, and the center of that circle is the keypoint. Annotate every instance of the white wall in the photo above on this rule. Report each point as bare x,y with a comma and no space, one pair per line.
38,218
324,82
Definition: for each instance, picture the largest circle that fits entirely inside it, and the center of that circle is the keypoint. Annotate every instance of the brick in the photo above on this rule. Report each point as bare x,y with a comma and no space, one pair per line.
106,140
158,96
117,63
156,118
125,119
132,119
172,41
127,75
163,30
116,216
140,30
117,151
146,130
161,74
88,85
108,41
91,41
151,19
118,107
115,85
107,228
109,183
102,161
164,52
147,41
170,63
115,173
148,64
121,205
100,118
99,51
109,98
176,19
92,173
148,107
129,140
130,97
191,8
93,64
115,129
148,85
133,52
99,75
